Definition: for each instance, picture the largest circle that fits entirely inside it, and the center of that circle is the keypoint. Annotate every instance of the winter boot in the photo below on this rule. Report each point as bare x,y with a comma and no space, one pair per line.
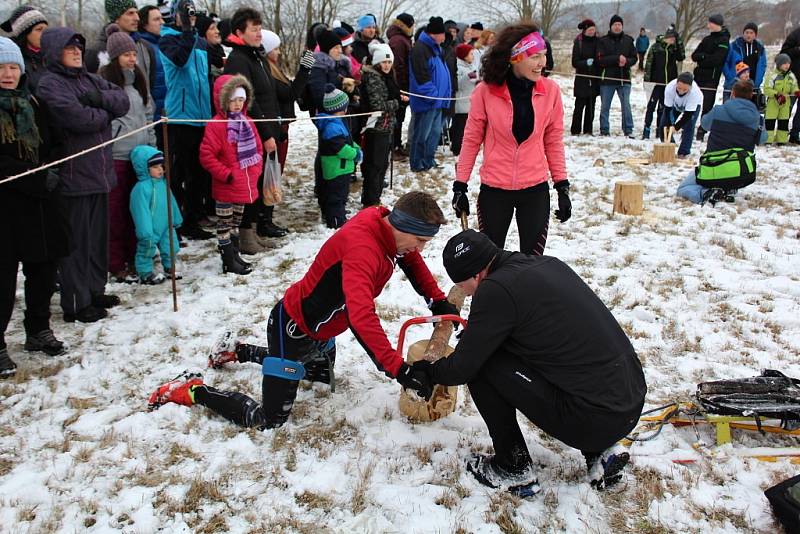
153,279
248,242
701,134
605,469
46,342
522,482
794,139
646,133
265,242
177,390
7,366
265,227
105,301
89,314
229,263
235,243
223,351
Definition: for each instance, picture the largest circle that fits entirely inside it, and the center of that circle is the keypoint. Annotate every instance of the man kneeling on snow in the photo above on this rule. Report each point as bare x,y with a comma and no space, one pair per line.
541,342
338,292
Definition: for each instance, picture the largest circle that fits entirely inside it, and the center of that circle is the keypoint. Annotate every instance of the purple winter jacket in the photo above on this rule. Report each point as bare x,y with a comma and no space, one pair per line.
80,127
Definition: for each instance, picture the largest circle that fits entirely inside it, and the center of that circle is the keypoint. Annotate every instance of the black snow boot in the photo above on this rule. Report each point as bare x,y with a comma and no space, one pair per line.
7,366
229,263
44,341
237,256
265,227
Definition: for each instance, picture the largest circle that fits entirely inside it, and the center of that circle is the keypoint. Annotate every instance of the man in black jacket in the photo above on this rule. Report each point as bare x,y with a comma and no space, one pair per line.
248,59
791,47
710,57
541,342
616,54
661,67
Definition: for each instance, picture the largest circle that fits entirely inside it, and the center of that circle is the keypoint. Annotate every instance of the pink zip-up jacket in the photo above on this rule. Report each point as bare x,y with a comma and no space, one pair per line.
507,165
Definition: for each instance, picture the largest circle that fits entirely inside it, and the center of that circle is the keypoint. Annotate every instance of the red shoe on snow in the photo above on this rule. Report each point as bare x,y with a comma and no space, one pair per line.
177,390
223,351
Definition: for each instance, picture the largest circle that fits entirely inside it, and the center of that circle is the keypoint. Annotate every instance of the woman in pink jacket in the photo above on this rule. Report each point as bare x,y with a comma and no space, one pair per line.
517,115
231,153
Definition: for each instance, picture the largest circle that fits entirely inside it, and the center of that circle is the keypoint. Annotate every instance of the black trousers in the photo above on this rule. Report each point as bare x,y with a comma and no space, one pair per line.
336,192
377,146
656,102
397,141
83,274
191,184
277,394
531,207
40,278
457,126
505,384
583,114
709,95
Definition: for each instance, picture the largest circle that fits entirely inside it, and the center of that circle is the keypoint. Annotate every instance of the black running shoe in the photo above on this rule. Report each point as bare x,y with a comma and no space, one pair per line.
7,366
522,483
105,301
605,469
89,314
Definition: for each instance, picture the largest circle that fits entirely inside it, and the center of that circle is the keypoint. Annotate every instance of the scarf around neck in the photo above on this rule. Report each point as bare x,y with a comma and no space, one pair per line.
17,123
239,132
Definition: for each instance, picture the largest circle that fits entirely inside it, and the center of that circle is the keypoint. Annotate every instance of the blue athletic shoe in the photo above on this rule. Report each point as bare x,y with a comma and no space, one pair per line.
605,469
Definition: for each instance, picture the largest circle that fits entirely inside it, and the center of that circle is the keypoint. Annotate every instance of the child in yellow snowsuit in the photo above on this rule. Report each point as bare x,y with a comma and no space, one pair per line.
779,86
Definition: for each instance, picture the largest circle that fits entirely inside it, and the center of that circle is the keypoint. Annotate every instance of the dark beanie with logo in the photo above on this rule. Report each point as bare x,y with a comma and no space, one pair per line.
468,253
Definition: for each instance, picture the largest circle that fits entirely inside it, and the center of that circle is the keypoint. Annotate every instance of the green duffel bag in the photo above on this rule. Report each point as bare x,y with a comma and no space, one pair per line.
731,168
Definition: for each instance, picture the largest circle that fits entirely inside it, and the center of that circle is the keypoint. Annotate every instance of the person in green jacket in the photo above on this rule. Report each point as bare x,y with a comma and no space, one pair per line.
149,211
779,86
339,155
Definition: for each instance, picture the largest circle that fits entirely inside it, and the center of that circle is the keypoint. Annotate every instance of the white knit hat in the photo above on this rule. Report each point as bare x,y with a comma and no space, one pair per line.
269,40
380,52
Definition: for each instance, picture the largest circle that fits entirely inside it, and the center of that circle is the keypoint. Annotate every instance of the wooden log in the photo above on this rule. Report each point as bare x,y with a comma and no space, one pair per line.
629,198
665,152
442,331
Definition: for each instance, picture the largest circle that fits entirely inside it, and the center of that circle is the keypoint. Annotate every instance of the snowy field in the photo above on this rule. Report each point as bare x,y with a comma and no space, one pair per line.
704,293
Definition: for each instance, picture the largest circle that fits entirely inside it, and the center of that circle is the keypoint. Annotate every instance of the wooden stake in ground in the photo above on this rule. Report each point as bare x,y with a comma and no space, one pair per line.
665,152
167,173
629,198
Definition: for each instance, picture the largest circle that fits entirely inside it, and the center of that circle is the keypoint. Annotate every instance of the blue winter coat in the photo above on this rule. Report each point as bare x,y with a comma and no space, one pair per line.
326,70
159,89
77,126
186,69
737,53
642,44
734,124
149,200
428,76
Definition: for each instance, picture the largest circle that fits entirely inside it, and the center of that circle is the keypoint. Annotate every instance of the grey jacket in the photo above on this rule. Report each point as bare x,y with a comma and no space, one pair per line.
465,85
138,115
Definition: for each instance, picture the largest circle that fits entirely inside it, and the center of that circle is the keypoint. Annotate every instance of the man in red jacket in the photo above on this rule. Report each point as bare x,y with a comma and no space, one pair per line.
336,293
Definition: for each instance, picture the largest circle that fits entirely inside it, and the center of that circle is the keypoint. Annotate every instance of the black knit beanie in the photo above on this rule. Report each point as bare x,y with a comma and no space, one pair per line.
468,253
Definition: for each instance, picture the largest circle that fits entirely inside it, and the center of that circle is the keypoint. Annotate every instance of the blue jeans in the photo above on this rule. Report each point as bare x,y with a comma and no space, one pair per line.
606,96
425,139
687,132
690,190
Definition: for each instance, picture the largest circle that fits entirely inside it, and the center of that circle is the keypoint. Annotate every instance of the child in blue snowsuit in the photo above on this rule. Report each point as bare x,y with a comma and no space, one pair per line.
149,212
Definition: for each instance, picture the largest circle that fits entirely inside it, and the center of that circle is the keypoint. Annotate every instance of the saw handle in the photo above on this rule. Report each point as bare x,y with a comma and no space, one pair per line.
668,133
433,319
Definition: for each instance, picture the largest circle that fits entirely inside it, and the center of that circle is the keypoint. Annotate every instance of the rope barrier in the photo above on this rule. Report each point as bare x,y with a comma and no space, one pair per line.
168,120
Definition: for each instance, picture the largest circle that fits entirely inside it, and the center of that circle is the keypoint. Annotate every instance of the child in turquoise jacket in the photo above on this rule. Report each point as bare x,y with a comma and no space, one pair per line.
149,212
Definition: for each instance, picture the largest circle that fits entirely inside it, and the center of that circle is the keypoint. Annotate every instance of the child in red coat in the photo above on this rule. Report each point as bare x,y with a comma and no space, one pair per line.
231,153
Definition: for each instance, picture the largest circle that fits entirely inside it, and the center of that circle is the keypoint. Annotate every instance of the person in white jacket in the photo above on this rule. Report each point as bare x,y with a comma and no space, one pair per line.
467,75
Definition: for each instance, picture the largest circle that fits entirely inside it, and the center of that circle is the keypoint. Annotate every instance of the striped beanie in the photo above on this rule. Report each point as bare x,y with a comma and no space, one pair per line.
21,21
334,99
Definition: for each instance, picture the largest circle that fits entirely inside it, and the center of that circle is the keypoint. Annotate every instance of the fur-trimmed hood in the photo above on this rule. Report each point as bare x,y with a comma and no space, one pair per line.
223,89
398,26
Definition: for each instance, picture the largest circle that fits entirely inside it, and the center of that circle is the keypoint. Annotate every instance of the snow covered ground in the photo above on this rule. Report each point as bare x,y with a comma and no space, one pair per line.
704,293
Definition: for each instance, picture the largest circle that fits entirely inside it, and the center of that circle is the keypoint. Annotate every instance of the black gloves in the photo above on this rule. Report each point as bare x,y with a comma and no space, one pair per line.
564,211
444,307
92,99
307,59
460,200
417,377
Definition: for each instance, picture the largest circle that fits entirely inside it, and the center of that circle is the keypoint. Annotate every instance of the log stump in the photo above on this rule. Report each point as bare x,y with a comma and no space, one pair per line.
629,198
665,152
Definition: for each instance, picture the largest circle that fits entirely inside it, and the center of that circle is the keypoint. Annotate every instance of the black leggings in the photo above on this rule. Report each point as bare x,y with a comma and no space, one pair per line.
377,146
532,205
505,384
277,394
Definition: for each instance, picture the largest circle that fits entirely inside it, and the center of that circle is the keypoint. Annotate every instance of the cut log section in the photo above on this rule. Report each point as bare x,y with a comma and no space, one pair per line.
665,152
629,198
444,398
